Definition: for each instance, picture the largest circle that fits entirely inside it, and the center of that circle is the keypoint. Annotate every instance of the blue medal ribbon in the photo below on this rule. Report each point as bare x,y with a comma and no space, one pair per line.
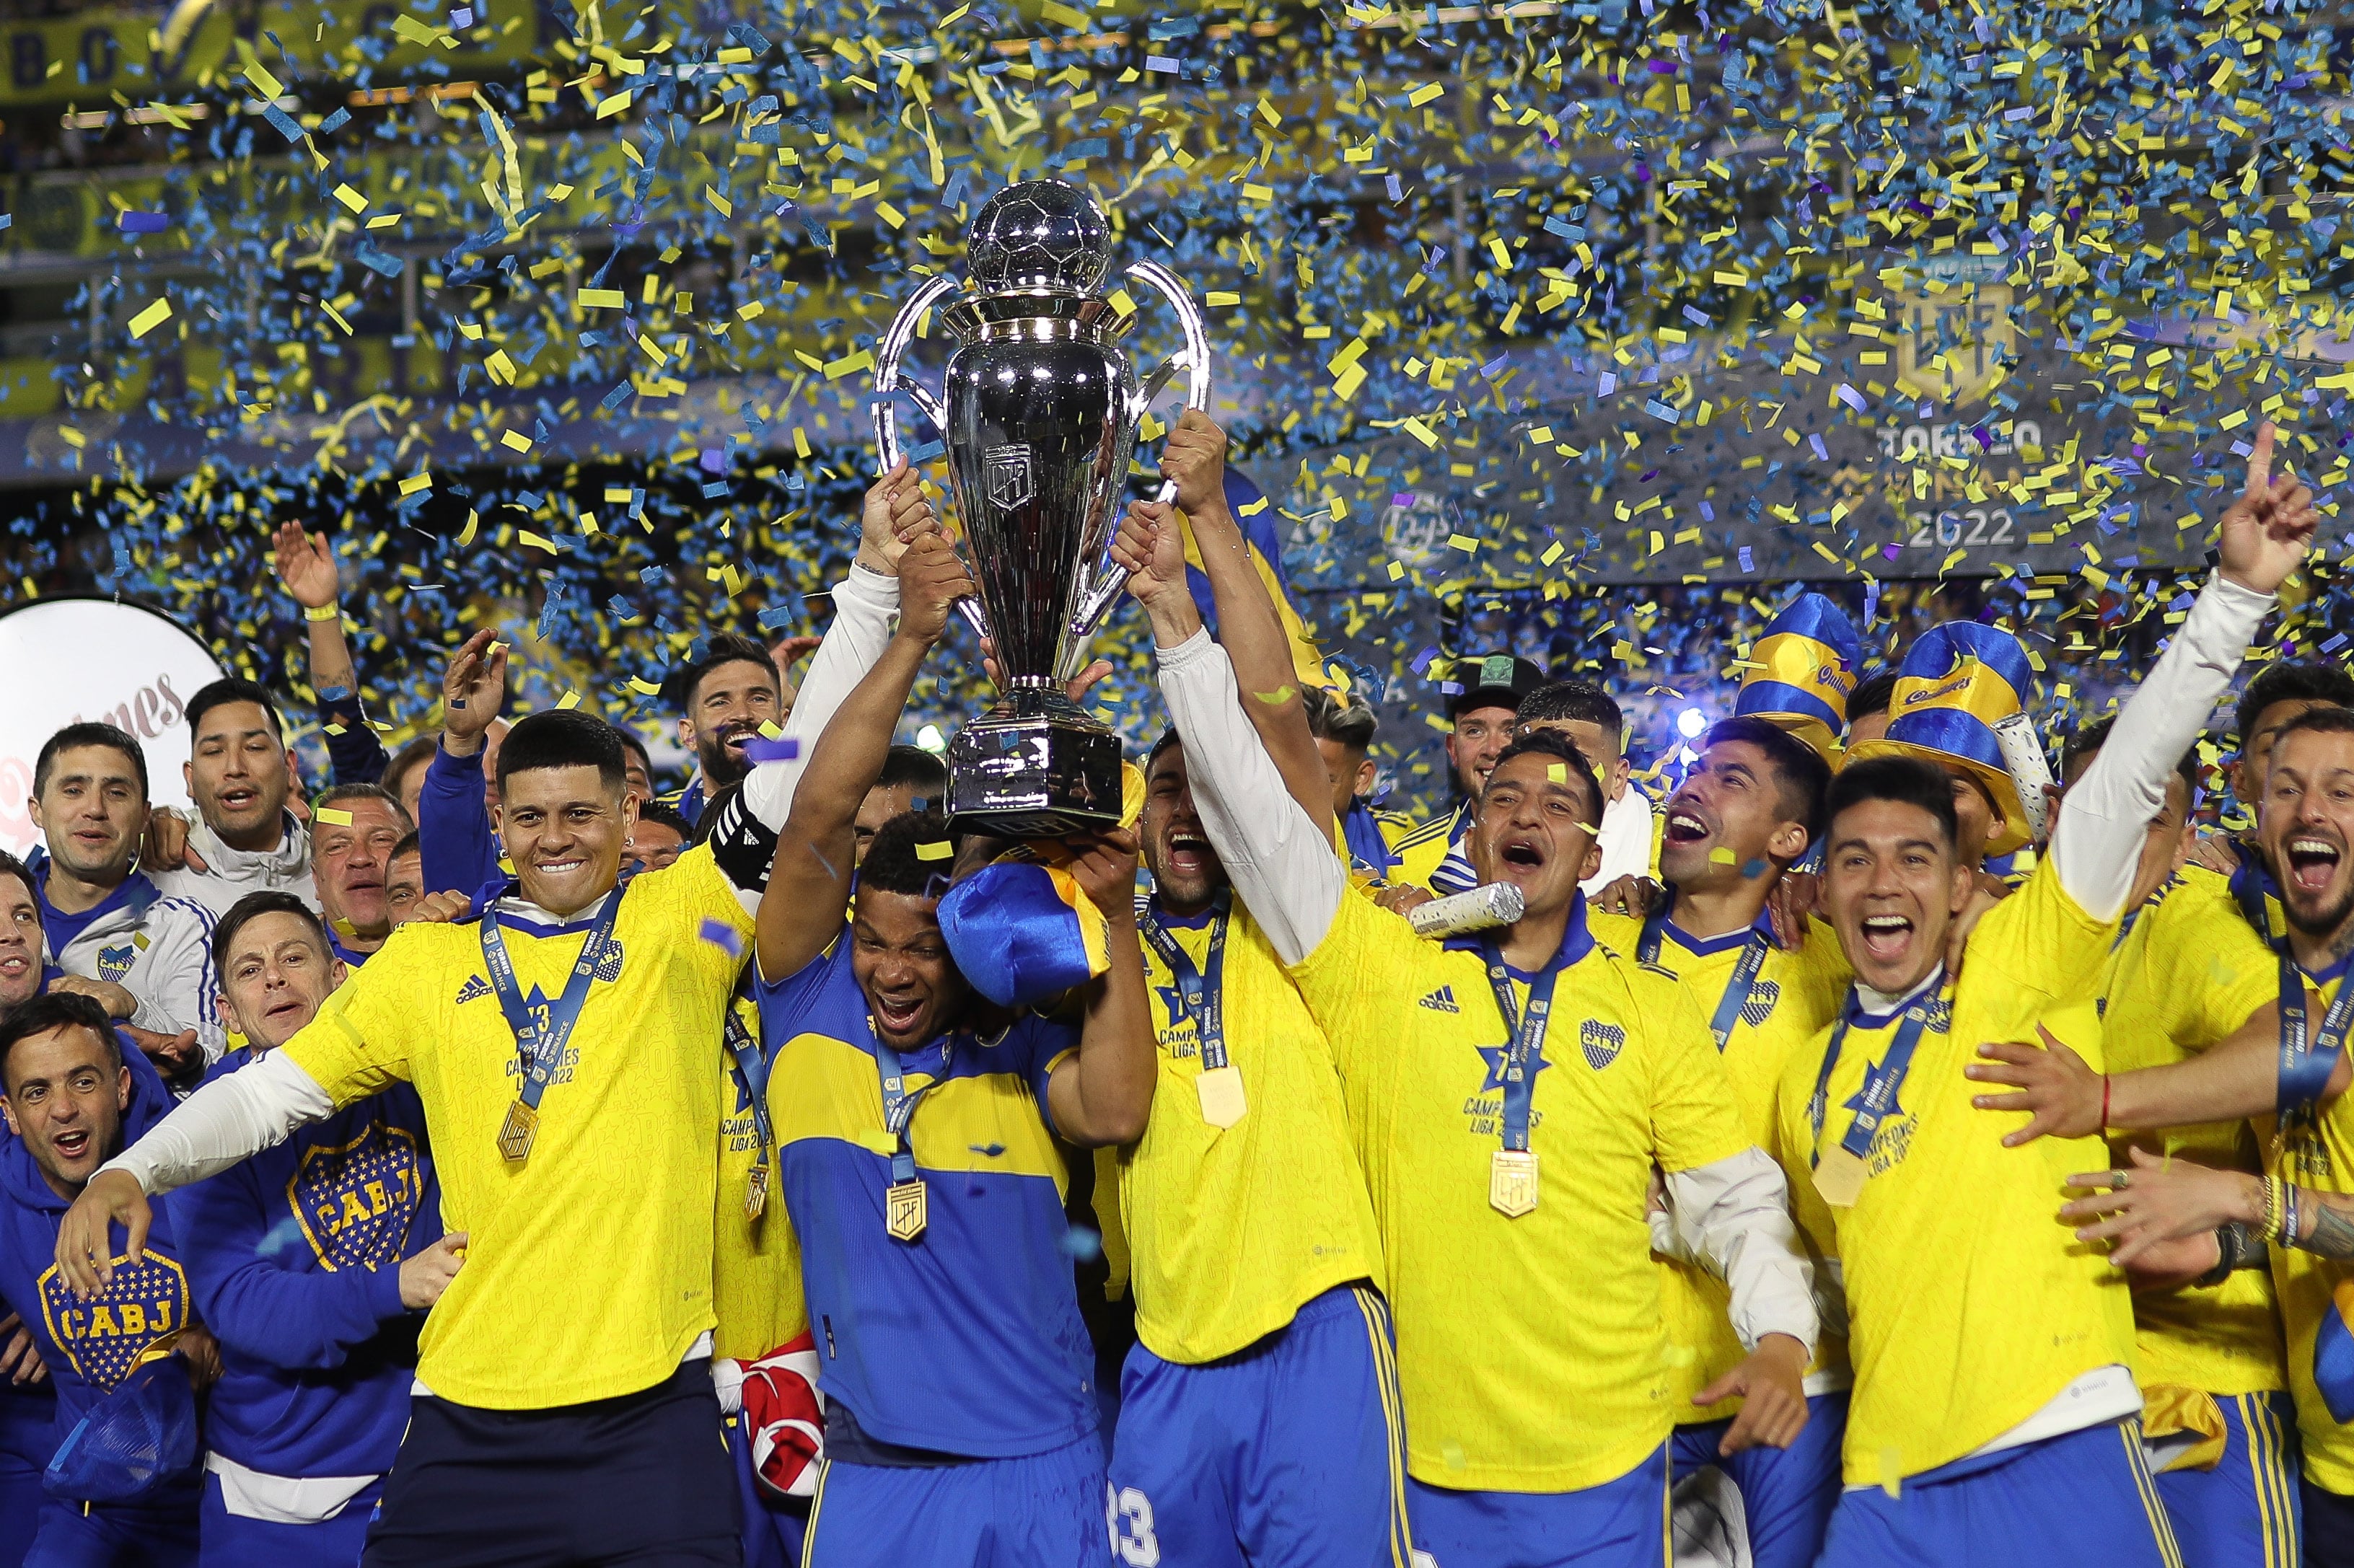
751,1070
1202,991
1526,1033
542,1033
899,1105
2304,1073
1880,1089
1743,979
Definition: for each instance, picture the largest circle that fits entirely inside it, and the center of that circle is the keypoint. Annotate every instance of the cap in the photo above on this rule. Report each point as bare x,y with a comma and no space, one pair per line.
1959,682
1491,681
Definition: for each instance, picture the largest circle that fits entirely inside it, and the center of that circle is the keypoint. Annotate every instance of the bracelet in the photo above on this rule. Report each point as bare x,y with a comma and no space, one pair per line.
2270,1228
2105,1102
322,612
2234,1249
2289,1217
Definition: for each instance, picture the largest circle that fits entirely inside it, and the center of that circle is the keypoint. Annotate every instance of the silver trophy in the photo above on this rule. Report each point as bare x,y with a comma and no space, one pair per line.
1039,417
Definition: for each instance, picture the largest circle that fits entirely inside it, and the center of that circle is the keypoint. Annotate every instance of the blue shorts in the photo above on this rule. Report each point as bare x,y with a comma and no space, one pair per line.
2329,1528
1619,1524
28,1435
2243,1513
1787,1494
232,1541
1290,1451
162,1536
2081,1497
1043,1510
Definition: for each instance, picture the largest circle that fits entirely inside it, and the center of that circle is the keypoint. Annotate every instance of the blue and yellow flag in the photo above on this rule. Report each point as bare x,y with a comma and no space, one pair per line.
1258,518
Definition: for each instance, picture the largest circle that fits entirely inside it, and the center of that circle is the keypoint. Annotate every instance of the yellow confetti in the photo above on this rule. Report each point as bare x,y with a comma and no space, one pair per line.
351,199
330,816
1280,694
939,849
263,82
151,318
515,440
602,300
415,482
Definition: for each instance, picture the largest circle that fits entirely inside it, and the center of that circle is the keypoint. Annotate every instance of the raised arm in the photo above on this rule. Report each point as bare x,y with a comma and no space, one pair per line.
1282,866
307,567
1104,1095
456,848
2102,820
809,885
1248,627
864,604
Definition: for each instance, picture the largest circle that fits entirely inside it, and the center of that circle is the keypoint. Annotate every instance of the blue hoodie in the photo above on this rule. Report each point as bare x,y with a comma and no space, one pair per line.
90,1346
295,1257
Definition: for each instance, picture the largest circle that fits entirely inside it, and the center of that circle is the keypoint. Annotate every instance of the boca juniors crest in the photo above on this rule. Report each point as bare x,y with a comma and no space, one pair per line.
354,1201
103,1336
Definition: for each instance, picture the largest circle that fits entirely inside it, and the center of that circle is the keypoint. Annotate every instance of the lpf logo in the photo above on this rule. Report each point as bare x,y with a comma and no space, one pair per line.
354,1201
1008,476
103,1338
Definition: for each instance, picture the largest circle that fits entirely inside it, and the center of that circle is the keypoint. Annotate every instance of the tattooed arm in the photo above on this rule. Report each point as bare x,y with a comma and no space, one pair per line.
2156,1200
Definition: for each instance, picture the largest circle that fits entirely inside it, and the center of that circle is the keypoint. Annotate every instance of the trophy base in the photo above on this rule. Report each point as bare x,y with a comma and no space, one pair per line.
1035,766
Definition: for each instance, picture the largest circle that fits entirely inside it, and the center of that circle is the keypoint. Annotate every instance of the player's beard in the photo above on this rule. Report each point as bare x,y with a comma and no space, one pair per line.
721,765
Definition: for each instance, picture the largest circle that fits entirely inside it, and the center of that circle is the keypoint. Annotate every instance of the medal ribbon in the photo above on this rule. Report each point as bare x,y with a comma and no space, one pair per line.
899,1105
1527,1034
1743,979
1203,994
1896,1063
542,1044
751,1070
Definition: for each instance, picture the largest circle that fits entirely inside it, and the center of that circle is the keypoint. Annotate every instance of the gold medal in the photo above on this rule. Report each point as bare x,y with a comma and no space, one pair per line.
1222,1096
903,1210
515,1138
756,1191
1839,1177
1513,1181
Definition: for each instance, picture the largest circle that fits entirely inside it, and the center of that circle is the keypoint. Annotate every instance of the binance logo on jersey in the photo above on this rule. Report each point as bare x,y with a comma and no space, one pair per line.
1601,1043
1441,1000
355,1202
1759,1006
474,989
103,1336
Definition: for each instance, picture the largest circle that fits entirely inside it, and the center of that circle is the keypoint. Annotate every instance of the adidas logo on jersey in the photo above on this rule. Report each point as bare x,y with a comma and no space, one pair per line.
474,989
1441,1000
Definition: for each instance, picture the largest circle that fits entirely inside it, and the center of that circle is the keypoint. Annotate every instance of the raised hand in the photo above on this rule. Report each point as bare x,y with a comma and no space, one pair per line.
85,1236
931,579
473,687
895,512
1195,457
1104,865
306,566
2267,530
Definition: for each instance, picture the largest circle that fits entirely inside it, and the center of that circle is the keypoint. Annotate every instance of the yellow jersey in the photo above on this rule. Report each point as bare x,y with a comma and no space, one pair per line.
589,1264
1420,851
756,1259
2318,1156
1970,1303
1796,994
1231,1231
2188,973
1533,1356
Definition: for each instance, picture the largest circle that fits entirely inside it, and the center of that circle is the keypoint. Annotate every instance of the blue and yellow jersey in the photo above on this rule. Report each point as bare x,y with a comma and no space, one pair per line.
968,1339
2317,1153
756,1259
1970,1303
1796,994
1490,1358
1230,1231
1420,851
2187,974
637,1092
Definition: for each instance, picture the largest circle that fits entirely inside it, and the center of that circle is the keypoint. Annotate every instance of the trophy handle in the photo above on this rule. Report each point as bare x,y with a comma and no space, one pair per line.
887,381
1104,579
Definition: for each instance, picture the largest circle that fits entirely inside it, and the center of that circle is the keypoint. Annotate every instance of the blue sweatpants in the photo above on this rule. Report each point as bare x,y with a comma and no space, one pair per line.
2243,1513
1787,1494
2078,1499
1290,1451
233,1541
1043,1510
159,1536
1619,1524
28,1435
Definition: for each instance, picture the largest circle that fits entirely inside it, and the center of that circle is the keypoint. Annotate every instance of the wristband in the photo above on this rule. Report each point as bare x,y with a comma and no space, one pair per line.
2289,1216
322,612
2232,1244
2271,1225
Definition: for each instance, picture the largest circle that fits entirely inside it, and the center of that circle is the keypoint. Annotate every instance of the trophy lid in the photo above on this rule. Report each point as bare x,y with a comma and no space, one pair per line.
1040,234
